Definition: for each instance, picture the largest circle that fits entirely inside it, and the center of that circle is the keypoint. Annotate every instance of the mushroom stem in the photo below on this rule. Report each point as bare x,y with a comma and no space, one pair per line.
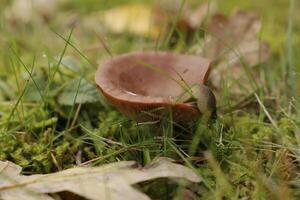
206,102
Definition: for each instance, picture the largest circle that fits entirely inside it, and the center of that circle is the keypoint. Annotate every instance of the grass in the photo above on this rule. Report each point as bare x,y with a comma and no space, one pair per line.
50,113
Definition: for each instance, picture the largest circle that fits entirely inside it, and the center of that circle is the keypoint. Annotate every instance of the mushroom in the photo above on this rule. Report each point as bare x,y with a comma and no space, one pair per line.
144,85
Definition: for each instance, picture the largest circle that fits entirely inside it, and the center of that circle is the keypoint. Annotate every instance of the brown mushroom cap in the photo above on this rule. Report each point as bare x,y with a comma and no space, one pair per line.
139,83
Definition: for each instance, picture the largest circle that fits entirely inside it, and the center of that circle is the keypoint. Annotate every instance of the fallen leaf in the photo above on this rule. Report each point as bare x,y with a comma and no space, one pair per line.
24,11
196,17
149,21
235,32
136,19
9,168
192,18
110,181
233,42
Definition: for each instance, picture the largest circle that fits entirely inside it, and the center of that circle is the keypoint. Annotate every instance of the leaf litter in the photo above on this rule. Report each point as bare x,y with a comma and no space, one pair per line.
110,181
150,21
230,41
233,44
24,11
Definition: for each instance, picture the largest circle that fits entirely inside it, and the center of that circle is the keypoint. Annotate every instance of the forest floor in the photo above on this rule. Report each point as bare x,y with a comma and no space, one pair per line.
52,117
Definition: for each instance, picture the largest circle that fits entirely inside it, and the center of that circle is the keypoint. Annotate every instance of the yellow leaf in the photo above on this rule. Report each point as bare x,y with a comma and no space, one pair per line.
136,19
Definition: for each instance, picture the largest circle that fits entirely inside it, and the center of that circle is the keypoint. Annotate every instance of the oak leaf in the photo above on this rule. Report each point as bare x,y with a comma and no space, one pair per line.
111,181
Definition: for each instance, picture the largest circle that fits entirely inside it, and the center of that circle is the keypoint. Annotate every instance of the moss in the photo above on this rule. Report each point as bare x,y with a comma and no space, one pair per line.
246,145
107,123
7,145
34,154
65,153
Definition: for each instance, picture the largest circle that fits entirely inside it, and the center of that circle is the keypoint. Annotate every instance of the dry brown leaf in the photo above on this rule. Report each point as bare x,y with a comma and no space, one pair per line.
197,16
191,16
233,42
237,32
110,181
